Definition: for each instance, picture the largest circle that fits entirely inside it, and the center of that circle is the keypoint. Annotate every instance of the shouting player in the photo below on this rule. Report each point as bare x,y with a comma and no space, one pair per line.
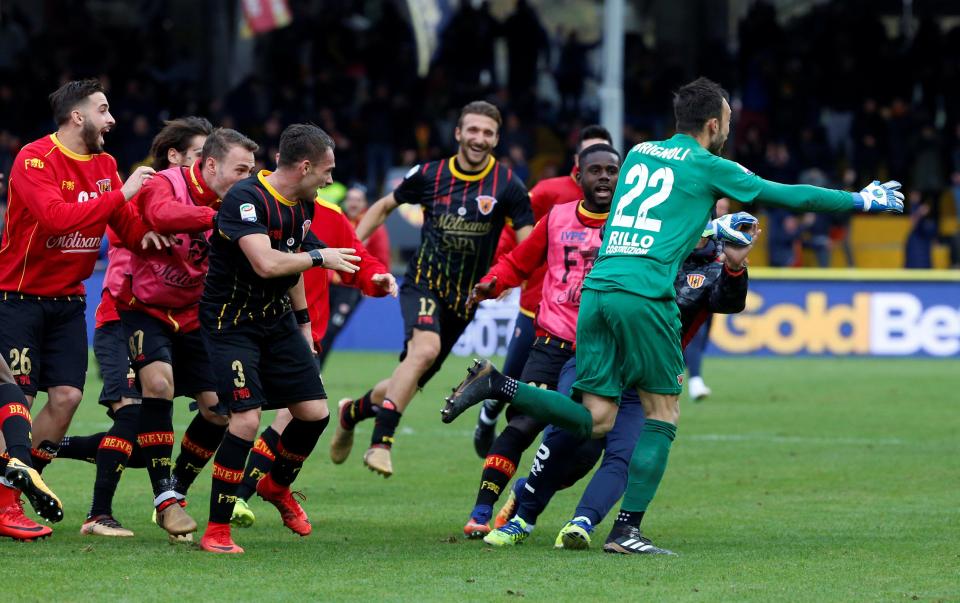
544,195
63,192
466,200
628,331
258,354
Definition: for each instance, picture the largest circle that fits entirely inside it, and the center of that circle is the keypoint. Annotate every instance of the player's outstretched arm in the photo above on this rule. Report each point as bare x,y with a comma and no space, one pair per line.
268,262
376,216
874,198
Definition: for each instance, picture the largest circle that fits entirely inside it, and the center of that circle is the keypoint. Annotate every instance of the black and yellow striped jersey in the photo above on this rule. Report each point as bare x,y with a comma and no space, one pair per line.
238,293
463,214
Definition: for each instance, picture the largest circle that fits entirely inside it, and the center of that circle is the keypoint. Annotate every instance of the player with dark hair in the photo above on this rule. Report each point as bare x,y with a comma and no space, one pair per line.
565,241
332,226
258,354
179,143
544,195
63,192
712,279
159,309
467,199
629,328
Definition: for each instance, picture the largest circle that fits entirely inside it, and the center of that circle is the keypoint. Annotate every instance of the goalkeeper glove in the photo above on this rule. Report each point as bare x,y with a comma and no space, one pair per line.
876,197
733,228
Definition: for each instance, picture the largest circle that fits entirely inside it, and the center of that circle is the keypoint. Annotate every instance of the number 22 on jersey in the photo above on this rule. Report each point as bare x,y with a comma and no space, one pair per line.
640,179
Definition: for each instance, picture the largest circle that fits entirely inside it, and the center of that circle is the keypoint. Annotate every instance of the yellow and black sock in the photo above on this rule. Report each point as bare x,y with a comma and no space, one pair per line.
81,448
197,447
113,452
296,443
384,428
261,460
227,475
15,423
155,437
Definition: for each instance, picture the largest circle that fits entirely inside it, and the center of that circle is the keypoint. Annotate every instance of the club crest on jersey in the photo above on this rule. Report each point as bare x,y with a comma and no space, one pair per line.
680,379
485,204
695,280
103,185
306,228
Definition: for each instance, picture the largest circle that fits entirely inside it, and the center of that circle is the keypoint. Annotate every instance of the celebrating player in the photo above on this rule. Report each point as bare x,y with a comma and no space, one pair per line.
63,192
709,281
258,354
159,311
178,143
332,226
466,201
565,241
628,328
544,195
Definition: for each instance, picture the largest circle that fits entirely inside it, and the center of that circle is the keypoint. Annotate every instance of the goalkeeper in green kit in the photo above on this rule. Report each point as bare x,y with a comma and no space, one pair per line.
628,329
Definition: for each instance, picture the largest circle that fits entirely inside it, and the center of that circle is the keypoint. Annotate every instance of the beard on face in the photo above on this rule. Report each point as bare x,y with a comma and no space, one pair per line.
90,136
716,144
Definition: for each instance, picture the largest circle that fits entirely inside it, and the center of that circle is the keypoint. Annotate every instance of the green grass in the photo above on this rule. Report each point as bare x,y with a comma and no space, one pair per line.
799,480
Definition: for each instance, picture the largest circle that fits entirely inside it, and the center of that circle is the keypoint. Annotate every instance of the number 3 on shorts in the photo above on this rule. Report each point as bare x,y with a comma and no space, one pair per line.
639,179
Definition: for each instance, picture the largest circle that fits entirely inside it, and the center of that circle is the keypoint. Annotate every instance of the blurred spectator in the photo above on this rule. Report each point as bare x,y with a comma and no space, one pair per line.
923,232
526,41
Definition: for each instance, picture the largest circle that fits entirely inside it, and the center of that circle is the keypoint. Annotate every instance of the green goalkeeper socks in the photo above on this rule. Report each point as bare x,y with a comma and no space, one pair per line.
648,463
553,408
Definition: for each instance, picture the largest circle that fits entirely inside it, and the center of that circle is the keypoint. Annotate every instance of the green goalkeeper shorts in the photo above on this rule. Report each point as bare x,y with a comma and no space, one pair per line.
628,341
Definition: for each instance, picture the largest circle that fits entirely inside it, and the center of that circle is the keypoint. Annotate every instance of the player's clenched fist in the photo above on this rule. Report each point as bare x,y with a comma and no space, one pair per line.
136,180
482,291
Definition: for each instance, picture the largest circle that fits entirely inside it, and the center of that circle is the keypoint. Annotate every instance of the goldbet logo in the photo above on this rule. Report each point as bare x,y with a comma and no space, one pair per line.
879,323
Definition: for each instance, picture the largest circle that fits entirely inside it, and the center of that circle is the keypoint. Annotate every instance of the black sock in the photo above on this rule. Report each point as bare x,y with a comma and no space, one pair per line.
197,447
261,460
137,459
504,388
501,463
81,448
15,423
43,454
386,425
227,475
358,410
296,443
112,454
628,518
155,437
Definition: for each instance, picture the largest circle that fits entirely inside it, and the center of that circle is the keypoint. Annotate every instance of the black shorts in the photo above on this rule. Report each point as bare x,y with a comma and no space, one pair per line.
110,350
546,359
423,310
151,340
44,340
260,364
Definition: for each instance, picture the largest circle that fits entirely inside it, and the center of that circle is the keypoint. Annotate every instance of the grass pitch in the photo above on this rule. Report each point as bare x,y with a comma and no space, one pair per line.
799,480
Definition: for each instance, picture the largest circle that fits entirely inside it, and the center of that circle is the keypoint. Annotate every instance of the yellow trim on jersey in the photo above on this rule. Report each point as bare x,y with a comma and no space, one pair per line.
527,313
328,205
68,152
589,214
471,177
262,177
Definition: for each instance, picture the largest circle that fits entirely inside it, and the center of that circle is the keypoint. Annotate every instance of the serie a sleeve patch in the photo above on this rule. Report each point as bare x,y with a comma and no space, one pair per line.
248,213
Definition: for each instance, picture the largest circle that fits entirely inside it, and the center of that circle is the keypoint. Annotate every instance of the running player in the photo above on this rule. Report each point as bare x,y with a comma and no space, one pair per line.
544,195
63,192
466,200
178,143
707,283
332,226
628,329
258,354
565,241
159,311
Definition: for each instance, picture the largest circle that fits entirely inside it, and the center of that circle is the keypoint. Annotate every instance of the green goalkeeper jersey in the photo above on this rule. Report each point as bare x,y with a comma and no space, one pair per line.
663,200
